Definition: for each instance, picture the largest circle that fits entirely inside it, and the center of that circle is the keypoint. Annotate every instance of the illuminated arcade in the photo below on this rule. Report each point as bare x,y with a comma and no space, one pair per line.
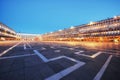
7,33
103,30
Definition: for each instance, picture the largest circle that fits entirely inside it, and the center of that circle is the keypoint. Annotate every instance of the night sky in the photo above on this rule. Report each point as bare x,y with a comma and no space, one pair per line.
41,16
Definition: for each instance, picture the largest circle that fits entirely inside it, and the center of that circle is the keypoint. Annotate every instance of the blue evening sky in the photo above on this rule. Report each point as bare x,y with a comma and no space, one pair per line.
41,16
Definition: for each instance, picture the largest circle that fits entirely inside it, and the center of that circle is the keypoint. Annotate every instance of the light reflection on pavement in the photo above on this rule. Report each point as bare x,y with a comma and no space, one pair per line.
91,45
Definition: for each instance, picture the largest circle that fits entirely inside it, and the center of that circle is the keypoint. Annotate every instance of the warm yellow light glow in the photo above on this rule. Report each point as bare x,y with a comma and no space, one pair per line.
77,38
101,39
2,38
116,40
60,39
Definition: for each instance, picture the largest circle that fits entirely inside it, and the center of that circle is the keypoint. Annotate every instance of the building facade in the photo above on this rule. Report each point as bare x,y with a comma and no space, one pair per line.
104,30
7,33
28,37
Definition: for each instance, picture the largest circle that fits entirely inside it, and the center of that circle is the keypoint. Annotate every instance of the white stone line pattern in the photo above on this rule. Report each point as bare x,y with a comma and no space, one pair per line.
52,47
68,48
52,59
57,51
79,52
67,71
71,48
9,57
4,52
95,55
24,46
64,47
42,48
29,45
41,56
102,70
92,56
64,72
74,60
